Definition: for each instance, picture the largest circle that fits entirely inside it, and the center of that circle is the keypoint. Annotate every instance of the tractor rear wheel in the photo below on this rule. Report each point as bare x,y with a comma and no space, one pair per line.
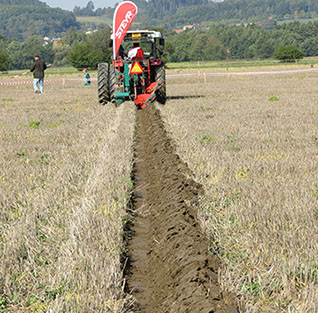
160,75
112,83
103,83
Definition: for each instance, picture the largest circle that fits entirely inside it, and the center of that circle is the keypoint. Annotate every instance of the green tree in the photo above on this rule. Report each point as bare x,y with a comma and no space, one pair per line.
18,55
263,48
87,11
71,36
250,52
21,19
288,53
34,45
214,49
310,46
198,44
90,6
99,42
60,54
168,50
5,61
47,53
83,55
3,43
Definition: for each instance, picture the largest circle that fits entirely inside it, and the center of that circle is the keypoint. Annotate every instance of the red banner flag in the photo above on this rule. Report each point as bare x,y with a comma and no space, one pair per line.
124,15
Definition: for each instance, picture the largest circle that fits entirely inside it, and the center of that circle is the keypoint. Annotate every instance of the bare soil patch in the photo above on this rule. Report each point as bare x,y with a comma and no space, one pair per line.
170,268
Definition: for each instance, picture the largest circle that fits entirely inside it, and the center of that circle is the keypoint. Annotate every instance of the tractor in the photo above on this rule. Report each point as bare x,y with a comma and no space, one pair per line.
140,78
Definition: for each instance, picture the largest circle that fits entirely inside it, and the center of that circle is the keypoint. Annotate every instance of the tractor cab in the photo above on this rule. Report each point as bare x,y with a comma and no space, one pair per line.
137,73
151,43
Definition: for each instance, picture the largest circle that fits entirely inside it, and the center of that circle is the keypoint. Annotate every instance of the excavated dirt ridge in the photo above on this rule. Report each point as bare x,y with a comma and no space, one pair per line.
170,269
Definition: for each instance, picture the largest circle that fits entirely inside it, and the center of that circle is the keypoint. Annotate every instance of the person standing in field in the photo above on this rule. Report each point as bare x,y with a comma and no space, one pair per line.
38,68
87,78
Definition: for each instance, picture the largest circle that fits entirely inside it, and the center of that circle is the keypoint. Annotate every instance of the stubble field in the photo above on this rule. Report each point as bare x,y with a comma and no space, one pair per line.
252,142
65,185
64,189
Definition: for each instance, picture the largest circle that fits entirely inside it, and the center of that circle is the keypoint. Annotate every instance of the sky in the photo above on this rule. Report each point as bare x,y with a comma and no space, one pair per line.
70,4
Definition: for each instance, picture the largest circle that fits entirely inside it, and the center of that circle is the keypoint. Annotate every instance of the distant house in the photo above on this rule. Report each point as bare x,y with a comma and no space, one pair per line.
191,26
55,41
46,40
185,27
91,31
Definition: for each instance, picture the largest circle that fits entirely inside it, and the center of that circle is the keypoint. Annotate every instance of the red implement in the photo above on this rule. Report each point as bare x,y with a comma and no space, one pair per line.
144,99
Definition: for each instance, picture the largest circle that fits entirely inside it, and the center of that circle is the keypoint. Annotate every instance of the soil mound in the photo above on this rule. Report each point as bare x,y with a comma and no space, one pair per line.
170,268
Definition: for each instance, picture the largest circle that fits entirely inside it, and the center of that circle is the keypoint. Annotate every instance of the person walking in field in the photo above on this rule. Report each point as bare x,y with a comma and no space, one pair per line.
38,68
87,78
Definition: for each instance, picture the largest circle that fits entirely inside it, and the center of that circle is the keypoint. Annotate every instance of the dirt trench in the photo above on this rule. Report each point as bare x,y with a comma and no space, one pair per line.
170,269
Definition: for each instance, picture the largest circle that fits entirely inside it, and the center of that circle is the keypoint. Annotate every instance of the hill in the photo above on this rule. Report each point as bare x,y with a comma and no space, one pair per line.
33,18
171,13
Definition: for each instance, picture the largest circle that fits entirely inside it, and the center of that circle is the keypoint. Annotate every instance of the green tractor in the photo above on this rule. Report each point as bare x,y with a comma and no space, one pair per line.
137,73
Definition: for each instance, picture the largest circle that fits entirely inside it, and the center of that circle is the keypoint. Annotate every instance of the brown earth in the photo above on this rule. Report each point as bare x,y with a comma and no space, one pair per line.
170,269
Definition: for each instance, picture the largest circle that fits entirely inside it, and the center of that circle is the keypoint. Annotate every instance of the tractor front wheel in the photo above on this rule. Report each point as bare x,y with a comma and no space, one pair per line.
160,75
103,83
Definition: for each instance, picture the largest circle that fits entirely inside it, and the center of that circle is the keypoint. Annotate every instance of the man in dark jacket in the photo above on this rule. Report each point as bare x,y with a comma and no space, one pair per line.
38,68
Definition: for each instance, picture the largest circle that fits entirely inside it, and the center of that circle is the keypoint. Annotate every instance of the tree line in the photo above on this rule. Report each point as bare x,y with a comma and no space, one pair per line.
90,10
294,40
173,13
33,17
77,49
241,42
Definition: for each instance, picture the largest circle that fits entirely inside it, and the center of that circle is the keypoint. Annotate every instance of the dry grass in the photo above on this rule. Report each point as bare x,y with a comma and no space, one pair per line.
64,186
227,70
253,143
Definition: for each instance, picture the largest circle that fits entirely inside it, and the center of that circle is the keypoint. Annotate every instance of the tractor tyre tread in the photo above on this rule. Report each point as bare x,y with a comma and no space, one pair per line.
160,74
112,83
103,83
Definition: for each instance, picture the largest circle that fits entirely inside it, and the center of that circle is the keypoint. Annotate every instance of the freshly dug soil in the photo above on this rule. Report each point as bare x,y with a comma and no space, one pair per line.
170,269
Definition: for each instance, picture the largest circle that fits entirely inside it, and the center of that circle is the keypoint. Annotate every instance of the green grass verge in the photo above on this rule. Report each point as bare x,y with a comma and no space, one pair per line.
236,63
